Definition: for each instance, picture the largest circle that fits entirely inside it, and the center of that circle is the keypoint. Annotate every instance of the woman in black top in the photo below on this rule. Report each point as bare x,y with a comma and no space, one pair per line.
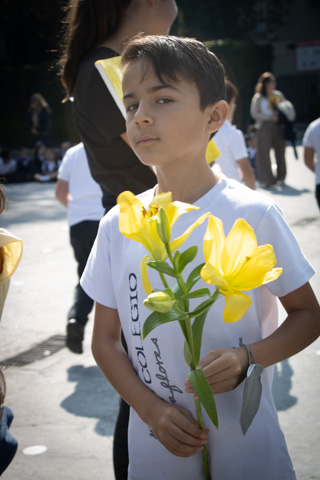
96,30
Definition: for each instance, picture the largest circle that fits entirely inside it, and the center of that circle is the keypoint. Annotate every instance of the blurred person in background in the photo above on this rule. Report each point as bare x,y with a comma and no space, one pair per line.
311,152
39,120
270,135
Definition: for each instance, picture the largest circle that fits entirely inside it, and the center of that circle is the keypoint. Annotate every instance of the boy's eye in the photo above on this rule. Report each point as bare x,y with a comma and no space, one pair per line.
164,100
131,107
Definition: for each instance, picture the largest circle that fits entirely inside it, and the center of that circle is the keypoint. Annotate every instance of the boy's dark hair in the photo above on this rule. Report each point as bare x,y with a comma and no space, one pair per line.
177,58
231,91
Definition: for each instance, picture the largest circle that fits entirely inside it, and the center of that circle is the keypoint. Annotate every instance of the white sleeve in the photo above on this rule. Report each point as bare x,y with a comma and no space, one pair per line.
238,146
307,138
64,171
296,270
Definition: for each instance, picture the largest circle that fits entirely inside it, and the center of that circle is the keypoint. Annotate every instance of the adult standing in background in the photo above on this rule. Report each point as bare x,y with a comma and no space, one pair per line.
263,110
311,152
98,30
39,120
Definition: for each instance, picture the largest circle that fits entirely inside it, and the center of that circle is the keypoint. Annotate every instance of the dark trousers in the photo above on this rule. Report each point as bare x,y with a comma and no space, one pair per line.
270,135
318,194
82,237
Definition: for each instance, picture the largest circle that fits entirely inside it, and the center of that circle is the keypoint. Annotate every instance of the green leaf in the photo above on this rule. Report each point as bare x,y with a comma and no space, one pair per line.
183,327
198,293
202,307
203,390
162,267
156,319
194,276
187,354
176,260
197,328
186,257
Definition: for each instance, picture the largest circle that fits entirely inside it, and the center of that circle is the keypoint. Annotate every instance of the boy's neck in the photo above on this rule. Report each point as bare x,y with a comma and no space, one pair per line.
187,187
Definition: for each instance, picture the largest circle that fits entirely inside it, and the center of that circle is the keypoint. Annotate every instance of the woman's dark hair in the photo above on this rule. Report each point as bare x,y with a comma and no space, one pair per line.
174,58
261,86
87,24
3,199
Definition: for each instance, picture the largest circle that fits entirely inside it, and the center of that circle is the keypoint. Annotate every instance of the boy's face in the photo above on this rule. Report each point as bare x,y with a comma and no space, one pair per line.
165,125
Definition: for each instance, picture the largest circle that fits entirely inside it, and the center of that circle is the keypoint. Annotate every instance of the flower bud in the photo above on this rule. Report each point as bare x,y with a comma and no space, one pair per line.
158,302
163,226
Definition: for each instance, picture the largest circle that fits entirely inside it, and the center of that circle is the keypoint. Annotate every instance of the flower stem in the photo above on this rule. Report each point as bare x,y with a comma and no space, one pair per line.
204,452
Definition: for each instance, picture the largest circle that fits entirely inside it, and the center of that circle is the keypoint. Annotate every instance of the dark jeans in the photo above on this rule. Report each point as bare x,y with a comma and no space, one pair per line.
120,442
82,236
318,194
120,437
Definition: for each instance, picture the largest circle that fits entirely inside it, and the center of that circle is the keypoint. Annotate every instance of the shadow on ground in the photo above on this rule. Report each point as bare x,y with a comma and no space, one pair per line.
93,397
282,383
288,190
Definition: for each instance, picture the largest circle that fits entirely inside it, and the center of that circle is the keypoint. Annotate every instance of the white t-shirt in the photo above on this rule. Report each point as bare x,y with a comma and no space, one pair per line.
311,139
86,195
112,278
266,107
232,147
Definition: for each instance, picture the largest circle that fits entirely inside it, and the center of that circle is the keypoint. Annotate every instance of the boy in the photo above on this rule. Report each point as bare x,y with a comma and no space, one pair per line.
174,97
231,144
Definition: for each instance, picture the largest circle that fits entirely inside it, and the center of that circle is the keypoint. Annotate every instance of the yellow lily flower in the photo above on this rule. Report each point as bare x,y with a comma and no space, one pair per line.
235,264
140,225
212,152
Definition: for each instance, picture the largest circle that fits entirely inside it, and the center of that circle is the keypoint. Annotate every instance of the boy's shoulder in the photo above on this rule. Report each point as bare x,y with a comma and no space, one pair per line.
240,200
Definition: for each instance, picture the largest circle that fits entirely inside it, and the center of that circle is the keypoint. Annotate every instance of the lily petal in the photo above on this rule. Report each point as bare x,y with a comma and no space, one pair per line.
131,214
213,241
240,243
162,199
255,268
212,276
144,274
273,275
236,306
175,244
176,209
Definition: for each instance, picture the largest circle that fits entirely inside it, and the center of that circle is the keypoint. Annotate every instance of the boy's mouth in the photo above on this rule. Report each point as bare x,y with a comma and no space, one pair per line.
145,140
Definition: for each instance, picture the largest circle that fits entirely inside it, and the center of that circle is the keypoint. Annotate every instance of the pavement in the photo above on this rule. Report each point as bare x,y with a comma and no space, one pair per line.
64,408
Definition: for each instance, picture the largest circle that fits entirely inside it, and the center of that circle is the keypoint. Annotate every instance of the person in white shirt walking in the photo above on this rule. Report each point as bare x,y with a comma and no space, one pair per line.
311,143
82,197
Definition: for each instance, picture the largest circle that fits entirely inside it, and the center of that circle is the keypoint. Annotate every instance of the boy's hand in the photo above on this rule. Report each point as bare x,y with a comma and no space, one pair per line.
225,369
177,430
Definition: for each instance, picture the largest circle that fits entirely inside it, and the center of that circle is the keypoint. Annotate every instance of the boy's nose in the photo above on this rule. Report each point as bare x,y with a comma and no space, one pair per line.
142,115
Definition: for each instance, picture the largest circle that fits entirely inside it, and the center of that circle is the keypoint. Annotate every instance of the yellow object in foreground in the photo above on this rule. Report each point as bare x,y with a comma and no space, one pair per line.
10,254
140,225
212,152
236,264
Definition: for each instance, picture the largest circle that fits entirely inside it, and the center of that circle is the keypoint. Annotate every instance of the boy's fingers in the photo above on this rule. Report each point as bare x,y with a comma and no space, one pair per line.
180,433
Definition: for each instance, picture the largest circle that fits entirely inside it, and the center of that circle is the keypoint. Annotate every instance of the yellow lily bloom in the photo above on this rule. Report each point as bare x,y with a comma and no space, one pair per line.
235,264
140,225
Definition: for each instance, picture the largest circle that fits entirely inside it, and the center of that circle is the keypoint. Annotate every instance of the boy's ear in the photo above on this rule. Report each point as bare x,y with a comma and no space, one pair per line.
218,114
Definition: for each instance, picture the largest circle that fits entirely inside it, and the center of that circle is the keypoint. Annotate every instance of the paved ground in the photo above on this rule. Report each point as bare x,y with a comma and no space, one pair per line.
64,408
